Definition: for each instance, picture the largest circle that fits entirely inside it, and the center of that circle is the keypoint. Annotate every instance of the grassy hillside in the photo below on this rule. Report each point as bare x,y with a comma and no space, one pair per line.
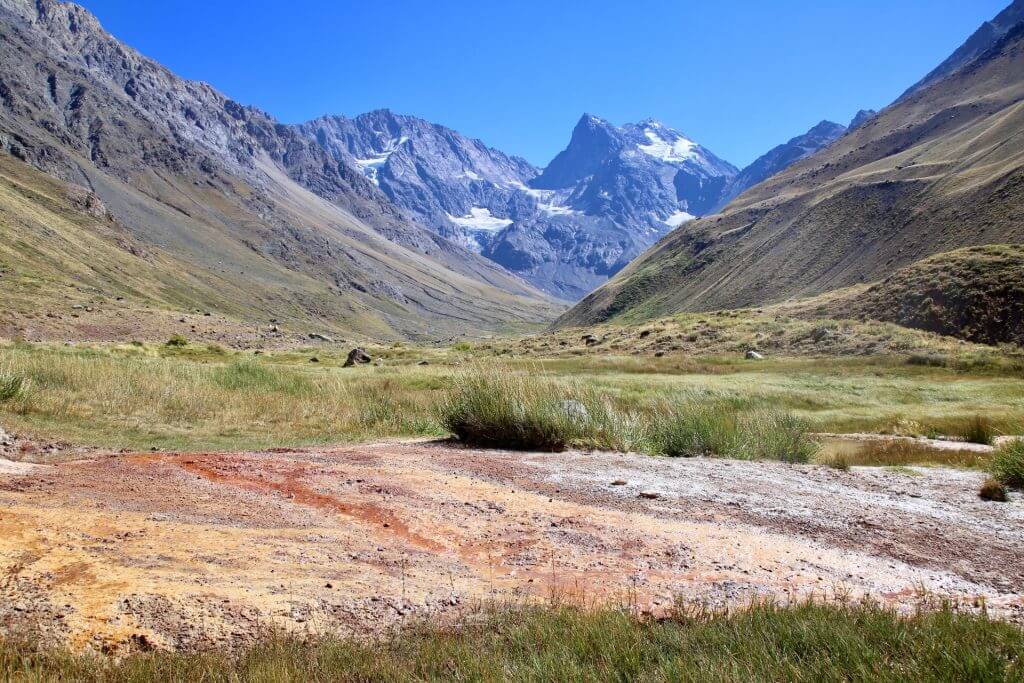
940,170
975,294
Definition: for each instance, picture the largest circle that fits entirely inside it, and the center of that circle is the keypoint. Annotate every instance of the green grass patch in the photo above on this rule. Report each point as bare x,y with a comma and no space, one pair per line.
12,387
766,642
1008,464
499,408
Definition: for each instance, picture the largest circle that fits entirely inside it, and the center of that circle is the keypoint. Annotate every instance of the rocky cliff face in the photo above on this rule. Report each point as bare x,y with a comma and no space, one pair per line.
566,229
186,168
455,185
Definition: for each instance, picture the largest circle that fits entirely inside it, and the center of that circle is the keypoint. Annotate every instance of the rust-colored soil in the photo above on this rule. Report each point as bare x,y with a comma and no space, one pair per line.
192,550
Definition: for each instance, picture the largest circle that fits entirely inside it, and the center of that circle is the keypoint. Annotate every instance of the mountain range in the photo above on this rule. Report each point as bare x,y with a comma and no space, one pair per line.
128,189
262,220
565,228
940,169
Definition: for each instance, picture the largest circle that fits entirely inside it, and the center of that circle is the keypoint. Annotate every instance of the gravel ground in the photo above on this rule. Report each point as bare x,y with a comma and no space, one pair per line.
193,550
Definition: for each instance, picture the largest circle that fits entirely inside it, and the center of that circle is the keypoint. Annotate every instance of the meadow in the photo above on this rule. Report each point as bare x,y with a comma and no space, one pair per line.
194,396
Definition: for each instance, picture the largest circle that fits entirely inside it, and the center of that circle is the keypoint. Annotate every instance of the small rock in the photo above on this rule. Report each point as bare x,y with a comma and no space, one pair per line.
754,355
650,495
320,337
619,482
424,362
314,359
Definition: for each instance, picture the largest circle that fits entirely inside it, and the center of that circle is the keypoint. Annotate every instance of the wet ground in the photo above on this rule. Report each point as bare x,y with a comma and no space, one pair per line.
192,550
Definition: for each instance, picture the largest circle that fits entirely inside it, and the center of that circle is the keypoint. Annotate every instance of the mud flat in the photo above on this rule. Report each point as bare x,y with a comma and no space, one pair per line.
193,550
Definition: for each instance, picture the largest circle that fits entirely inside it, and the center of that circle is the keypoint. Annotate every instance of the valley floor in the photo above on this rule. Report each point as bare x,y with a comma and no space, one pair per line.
194,550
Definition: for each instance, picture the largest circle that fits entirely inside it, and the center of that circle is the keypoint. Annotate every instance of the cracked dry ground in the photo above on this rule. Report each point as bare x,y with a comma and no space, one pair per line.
193,550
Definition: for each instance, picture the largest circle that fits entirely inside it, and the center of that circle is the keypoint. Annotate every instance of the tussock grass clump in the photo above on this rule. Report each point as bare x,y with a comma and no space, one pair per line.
696,429
498,408
1008,464
177,341
693,430
766,642
503,409
977,430
775,435
12,387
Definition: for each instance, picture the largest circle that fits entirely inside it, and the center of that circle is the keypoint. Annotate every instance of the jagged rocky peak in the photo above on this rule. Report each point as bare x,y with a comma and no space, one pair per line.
609,195
453,184
593,141
860,118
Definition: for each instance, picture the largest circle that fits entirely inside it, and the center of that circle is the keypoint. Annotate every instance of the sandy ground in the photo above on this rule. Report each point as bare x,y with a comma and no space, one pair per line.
193,550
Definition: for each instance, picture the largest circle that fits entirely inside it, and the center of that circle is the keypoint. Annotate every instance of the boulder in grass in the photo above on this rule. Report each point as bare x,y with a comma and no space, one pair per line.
357,356
754,355
316,336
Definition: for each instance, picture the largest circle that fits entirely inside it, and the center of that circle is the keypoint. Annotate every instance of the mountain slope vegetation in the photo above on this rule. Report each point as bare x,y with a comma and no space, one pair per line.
976,293
939,170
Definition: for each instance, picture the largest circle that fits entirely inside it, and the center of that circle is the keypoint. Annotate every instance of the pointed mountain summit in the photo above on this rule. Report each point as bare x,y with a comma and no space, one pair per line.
860,118
593,141
608,196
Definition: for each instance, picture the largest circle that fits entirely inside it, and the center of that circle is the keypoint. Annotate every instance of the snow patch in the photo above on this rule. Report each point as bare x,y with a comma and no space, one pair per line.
672,149
548,201
678,218
371,165
481,219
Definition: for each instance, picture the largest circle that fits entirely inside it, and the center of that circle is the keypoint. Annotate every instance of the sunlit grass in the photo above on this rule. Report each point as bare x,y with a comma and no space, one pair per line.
766,642
205,397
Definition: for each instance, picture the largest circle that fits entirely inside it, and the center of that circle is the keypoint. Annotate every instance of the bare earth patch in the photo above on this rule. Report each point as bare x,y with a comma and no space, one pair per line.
190,550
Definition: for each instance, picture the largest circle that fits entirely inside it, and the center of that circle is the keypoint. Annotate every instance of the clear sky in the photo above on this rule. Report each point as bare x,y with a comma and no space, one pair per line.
738,76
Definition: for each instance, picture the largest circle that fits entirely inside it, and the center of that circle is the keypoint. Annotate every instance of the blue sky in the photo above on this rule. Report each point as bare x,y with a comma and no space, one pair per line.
738,76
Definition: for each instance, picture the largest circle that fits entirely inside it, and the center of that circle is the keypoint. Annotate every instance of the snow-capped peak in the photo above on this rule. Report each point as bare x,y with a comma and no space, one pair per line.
666,144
